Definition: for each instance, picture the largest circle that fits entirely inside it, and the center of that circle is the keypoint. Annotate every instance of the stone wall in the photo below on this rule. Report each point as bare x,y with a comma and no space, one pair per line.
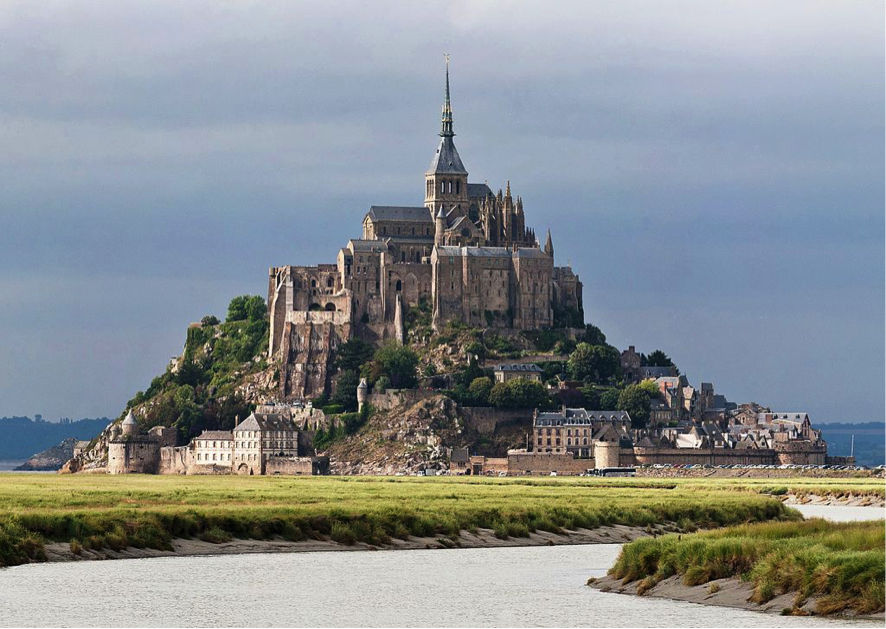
532,464
800,453
702,456
485,419
392,398
297,466
174,460
136,455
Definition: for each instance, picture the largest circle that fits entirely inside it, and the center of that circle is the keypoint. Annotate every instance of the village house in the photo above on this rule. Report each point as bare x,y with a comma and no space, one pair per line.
513,371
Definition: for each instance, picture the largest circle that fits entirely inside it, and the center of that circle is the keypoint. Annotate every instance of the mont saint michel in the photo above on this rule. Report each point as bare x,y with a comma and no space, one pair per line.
306,322
444,340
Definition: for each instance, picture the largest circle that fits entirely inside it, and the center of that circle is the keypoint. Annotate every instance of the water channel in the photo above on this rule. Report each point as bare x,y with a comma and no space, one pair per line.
533,586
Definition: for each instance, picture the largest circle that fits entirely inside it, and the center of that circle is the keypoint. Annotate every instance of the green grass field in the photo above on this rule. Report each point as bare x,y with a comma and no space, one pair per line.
840,564
99,511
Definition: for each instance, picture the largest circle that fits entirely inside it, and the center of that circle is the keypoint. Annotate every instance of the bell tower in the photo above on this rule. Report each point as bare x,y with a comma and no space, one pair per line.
446,181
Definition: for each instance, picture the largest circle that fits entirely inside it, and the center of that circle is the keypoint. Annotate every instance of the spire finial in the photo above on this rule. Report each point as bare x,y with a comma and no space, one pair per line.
446,130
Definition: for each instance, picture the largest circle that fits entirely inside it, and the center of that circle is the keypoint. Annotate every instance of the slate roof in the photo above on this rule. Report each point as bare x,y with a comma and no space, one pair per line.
446,159
480,252
263,422
580,416
216,434
400,213
479,190
531,252
367,245
523,367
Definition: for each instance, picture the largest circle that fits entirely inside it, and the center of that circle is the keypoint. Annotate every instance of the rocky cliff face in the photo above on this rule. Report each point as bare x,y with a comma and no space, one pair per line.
50,459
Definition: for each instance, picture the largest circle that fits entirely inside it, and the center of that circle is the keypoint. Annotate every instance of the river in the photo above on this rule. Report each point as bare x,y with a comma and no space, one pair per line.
532,586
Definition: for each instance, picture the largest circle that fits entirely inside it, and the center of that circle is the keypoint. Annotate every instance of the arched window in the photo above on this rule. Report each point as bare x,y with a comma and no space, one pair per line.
328,282
398,286
313,283
458,187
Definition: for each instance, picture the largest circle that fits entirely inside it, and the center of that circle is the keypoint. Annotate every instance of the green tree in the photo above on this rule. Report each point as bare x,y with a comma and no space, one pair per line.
246,308
592,397
519,393
594,363
658,359
636,401
353,354
346,390
593,335
209,320
609,399
398,363
479,390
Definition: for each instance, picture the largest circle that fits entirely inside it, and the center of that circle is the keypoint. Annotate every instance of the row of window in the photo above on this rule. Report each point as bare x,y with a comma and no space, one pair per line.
215,457
446,186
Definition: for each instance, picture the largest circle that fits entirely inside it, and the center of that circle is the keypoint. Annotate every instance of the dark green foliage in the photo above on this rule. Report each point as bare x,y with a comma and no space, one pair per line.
470,373
499,345
418,318
543,340
594,363
346,424
657,359
346,390
209,320
248,308
591,395
567,317
564,347
593,335
200,393
636,400
609,399
571,398
398,363
552,369
479,390
519,393
353,354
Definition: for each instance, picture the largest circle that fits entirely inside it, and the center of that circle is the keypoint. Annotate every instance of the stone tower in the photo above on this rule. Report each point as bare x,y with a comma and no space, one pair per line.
361,394
130,426
439,227
446,181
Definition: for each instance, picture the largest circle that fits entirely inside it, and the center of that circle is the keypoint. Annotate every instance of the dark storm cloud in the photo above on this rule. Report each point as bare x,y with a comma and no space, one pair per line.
713,170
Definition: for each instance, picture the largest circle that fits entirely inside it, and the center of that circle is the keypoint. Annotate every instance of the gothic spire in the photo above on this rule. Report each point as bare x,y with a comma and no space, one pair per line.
446,130
549,245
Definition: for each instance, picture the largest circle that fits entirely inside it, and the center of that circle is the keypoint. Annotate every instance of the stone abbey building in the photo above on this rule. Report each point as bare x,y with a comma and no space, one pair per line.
466,253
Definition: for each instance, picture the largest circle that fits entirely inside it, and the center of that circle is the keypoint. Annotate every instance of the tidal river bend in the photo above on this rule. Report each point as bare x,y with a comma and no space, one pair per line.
532,586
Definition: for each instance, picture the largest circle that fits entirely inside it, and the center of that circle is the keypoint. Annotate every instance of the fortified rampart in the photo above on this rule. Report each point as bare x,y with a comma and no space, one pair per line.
485,420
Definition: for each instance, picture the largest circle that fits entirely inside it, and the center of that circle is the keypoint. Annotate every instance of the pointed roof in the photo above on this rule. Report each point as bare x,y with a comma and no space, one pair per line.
549,245
129,420
446,159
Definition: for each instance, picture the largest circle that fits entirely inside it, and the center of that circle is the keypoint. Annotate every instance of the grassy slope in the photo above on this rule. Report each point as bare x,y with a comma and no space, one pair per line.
149,511
839,564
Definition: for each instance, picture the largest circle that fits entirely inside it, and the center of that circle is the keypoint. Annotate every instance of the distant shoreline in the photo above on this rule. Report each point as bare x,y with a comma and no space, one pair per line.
483,538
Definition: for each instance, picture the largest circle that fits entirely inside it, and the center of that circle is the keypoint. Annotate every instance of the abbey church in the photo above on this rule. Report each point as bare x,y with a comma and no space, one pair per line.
466,253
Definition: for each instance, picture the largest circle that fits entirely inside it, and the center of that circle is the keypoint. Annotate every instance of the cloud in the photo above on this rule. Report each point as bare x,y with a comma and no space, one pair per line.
690,157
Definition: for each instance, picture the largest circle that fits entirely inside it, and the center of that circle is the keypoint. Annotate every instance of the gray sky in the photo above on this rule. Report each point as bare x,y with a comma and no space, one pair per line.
714,171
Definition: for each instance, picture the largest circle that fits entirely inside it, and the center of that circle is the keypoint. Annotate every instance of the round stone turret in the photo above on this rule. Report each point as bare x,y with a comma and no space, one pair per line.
361,393
130,426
